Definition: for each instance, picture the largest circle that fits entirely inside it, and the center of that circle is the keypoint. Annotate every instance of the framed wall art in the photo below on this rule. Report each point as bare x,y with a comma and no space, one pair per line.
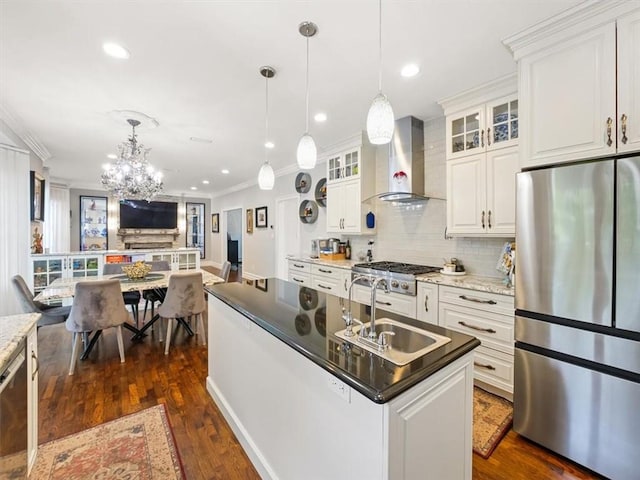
215,223
261,217
37,197
249,220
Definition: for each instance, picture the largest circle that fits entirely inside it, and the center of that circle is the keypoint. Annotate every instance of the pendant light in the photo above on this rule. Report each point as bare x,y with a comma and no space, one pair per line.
266,177
380,121
307,153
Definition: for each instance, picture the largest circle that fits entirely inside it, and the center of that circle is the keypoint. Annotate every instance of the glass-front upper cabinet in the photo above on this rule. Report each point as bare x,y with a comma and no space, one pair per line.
344,165
93,223
489,126
195,226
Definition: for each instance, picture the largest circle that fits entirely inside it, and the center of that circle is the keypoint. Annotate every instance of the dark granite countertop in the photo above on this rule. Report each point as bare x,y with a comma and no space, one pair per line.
306,320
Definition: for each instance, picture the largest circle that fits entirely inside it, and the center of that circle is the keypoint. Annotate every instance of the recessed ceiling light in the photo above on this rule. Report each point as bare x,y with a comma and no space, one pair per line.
269,144
205,182
194,188
410,70
112,156
116,51
225,171
320,117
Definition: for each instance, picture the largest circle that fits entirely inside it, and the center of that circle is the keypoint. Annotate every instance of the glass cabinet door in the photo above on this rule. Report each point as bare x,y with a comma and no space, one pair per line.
93,223
502,122
351,164
195,226
465,132
334,168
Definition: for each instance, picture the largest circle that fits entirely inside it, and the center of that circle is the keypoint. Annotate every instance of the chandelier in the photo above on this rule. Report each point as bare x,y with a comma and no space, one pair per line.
132,177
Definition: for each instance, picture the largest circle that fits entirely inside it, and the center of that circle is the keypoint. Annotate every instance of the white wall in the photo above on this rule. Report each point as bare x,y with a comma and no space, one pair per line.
234,228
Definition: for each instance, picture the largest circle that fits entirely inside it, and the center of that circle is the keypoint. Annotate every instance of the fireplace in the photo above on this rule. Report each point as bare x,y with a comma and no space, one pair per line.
148,239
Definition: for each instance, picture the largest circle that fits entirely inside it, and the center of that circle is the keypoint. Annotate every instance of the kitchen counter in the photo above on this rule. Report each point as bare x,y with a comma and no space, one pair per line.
472,282
306,320
14,329
321,261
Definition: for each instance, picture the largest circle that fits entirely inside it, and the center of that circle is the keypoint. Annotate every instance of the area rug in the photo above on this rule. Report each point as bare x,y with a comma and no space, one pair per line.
137,446
492,418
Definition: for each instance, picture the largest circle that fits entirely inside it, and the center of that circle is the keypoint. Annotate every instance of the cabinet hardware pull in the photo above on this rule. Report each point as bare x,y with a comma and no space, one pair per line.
426,303
609,125
477,300
482,219
489,136
481,365
324,286
489,218
480,329
383,303
345,284
297,280
298,265
324,271
482,138
623,127
35,372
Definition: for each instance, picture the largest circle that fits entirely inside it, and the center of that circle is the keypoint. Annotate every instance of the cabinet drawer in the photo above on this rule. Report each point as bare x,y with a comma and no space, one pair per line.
326,284
326,271
490,302
427,303
393,302
301,278
493,330
494,367
295,265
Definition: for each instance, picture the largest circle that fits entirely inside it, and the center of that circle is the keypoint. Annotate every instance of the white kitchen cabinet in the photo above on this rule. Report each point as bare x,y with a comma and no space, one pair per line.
481,194
393,302
488,317
46,268
32,396
186,260
427,303
300,272
350,181
576,71
322,277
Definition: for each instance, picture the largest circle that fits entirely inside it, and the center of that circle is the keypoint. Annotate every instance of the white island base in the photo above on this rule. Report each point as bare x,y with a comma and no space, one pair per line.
296,420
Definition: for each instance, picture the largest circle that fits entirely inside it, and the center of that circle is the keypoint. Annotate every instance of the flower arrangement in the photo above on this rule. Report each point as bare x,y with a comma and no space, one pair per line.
137,271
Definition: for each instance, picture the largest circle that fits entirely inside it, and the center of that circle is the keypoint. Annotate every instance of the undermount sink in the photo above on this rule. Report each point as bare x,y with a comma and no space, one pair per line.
406,345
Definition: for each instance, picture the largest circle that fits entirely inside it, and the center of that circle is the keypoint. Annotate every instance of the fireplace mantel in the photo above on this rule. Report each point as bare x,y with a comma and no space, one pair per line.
136,238
124,232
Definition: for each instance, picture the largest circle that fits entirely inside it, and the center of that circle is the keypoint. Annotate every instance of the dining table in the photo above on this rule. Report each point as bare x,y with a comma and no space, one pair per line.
62,289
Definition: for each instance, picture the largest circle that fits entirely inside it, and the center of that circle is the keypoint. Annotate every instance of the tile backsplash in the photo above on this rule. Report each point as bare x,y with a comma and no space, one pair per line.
415,233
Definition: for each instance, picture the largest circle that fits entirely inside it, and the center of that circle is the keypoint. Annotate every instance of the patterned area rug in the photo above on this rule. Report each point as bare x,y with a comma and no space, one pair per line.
492,418
138,446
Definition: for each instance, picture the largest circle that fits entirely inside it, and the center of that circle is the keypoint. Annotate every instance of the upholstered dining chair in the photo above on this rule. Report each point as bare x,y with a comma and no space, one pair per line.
225,270
97,305
130,298
154,296
50,314
185,297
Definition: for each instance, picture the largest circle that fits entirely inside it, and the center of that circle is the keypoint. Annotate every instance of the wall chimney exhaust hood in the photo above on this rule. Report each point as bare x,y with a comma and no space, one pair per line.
405,172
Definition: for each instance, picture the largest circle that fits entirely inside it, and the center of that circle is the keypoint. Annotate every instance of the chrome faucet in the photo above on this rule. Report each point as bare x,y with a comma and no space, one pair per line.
347,316
374,287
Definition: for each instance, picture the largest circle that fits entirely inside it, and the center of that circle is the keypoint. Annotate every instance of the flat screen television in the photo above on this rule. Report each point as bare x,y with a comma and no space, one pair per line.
143,214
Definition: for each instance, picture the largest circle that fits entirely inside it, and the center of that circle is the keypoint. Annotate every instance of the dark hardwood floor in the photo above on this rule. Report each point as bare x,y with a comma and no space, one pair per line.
103,389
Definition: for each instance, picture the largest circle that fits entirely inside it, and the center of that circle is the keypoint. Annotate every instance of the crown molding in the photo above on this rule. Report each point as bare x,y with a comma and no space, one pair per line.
499,87
573,21
17,126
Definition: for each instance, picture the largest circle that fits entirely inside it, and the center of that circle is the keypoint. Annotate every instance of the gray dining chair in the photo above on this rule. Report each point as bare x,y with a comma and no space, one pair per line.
184,298
153,296
50,314
225,270
130,298
97,305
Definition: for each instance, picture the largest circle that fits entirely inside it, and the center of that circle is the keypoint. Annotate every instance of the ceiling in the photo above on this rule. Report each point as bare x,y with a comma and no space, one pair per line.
194,67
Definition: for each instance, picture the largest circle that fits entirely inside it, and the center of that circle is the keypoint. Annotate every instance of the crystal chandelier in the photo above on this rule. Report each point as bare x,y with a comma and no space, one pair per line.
266,177
380,119
307,152
132,177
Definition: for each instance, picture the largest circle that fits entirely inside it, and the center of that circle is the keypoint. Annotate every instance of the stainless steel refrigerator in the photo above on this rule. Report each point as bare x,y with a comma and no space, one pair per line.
577,356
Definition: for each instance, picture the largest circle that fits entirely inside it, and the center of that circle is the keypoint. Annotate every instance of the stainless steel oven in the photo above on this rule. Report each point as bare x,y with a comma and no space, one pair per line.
13,417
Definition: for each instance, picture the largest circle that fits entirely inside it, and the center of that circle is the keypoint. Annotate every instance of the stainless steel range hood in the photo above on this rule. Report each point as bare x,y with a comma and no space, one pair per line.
405,172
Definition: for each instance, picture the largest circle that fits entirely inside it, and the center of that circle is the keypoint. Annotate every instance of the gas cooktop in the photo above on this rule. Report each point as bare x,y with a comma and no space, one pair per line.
400,277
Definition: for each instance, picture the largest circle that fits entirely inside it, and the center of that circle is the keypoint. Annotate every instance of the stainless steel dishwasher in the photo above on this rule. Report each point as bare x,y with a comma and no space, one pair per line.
13,416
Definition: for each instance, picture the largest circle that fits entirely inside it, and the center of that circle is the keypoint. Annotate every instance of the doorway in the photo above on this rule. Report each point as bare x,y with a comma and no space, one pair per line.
233,224
287,233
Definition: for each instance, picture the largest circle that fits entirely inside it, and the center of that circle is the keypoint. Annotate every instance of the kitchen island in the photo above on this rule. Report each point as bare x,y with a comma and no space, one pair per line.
304,404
